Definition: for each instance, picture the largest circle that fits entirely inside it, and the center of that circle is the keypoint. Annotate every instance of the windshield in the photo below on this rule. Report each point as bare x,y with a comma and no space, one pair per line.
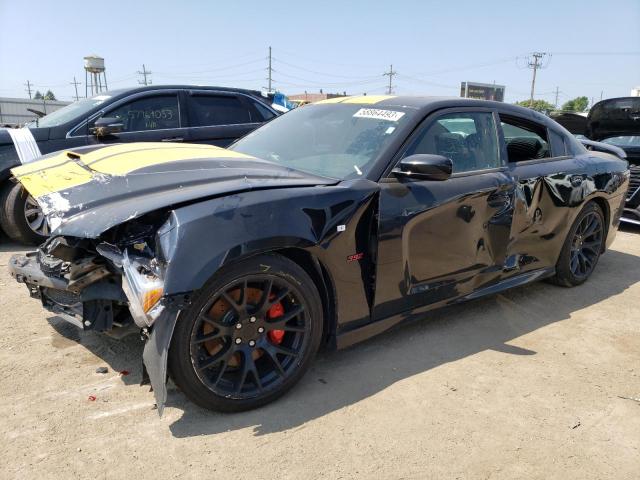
335,140
68,113
623,141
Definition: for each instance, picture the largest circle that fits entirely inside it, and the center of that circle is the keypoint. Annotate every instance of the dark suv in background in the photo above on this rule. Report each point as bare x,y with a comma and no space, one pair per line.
169,113
616,121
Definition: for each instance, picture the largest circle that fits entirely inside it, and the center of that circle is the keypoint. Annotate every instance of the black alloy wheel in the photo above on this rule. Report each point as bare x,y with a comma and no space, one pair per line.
582,247
250,339
587,244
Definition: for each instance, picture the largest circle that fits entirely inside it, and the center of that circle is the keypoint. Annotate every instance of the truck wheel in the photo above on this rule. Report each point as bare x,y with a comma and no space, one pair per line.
249,335
21,217
582,248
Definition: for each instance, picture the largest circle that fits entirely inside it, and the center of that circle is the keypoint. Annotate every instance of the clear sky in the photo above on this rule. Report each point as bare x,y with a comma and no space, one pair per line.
333,45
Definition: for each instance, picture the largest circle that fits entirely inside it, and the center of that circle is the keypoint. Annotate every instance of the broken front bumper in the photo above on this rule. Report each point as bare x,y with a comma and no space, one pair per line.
77,303
90,307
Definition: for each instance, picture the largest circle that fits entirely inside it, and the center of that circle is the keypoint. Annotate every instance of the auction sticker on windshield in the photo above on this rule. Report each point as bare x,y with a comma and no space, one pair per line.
376,113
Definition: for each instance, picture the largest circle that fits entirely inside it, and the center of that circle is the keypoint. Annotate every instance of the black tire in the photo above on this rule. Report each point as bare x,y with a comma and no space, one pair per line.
246,376
585,239
13,202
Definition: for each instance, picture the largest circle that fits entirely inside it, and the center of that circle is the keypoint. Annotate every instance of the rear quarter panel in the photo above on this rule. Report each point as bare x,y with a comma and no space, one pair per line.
549,196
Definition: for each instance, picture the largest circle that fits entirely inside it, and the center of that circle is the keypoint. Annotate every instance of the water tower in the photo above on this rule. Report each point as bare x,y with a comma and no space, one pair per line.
95,77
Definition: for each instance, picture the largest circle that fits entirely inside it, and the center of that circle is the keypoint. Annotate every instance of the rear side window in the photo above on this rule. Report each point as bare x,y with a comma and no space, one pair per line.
211,110
468,139
558,148
148,113
524,140
263,111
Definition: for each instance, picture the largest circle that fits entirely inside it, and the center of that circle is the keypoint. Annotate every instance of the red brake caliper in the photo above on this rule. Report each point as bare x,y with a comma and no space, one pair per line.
277,310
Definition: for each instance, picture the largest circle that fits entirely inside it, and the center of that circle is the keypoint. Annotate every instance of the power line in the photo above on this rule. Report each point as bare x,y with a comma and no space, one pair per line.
228,67
322,73
144,73
390,74
75,84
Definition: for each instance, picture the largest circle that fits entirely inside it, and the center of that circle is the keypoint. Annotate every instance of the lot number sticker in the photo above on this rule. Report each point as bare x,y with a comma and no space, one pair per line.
378,114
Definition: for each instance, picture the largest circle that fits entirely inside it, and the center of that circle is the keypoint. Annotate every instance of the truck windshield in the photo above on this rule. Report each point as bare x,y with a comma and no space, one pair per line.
332,140
66,114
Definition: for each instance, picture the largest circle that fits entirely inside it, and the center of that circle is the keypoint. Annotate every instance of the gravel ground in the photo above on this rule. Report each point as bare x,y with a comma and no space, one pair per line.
539,382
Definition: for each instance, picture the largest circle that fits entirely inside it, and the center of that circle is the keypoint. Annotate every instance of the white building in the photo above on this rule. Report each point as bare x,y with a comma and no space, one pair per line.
17,111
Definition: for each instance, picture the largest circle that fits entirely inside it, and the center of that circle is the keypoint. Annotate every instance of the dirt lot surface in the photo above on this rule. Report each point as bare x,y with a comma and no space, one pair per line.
539,382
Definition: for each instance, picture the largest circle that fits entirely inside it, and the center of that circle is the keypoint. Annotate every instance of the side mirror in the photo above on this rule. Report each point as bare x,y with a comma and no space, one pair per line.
107,126
424,166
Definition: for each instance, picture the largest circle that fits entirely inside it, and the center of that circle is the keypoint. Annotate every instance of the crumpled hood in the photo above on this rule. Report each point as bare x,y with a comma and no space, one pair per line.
86,191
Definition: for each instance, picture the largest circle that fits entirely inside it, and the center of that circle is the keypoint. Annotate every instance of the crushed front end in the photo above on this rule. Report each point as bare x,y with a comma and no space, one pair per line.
114,284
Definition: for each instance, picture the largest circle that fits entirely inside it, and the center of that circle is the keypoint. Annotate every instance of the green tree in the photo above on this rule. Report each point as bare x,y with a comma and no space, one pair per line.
578,104
37,95
538,105
49,95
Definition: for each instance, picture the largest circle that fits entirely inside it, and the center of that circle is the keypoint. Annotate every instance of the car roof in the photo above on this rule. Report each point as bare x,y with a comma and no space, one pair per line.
148,88
431,103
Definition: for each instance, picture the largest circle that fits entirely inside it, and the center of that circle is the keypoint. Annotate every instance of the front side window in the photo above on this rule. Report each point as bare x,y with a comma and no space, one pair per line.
525,141
468,139
148,113
211,110
75,111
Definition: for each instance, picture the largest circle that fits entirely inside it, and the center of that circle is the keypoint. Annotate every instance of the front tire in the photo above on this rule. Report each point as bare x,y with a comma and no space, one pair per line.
249,335
21,217
582,247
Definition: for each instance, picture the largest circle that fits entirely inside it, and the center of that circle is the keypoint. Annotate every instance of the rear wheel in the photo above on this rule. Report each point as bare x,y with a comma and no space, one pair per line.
249,336
21,217
582,247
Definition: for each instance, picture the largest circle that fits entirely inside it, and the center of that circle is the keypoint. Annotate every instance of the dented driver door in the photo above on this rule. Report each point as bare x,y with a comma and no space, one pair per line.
439,240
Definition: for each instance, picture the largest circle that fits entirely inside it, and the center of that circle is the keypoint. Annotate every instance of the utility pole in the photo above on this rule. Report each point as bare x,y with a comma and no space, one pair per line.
390,74
557,93
144,73
535,65
75,84
270,70
28,85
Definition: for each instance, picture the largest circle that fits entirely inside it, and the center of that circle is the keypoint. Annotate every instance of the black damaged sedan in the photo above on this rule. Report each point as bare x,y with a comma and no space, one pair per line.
326,226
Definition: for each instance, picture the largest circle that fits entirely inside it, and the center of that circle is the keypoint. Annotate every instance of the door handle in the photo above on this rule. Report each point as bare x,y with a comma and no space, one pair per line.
172,139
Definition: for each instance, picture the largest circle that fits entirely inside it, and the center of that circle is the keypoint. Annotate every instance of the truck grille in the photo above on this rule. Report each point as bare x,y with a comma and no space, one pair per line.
634,181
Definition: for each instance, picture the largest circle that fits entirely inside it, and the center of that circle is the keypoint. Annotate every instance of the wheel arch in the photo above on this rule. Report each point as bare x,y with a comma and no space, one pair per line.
606,211
323,283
